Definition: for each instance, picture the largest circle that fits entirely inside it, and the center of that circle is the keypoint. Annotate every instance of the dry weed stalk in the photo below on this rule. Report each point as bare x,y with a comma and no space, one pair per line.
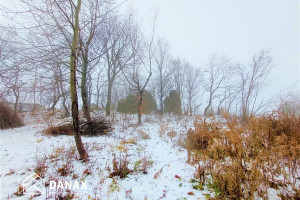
245,160
120,166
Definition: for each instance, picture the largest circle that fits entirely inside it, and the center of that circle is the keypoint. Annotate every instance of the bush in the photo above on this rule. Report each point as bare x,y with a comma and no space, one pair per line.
129,105
172,103
120,167
241,161
8,118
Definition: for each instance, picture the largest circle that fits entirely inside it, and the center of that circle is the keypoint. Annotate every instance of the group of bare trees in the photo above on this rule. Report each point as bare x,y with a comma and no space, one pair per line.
114,56
52,48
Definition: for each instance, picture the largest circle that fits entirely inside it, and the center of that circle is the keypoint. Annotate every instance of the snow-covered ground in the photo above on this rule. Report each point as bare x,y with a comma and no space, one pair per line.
168,175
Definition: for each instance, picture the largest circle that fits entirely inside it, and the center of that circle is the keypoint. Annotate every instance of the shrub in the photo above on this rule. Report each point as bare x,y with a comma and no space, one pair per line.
120,167
65,170
20,191
245,160
172,103
8,118
129,105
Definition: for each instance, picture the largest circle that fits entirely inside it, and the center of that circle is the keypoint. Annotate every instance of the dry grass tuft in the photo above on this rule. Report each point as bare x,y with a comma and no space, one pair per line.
163,128
128,141
66,129
8,118
143,135
120,167
64,170
241,161
20,191
172,134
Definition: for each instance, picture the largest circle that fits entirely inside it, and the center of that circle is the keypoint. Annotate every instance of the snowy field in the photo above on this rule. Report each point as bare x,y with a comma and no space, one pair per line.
153,150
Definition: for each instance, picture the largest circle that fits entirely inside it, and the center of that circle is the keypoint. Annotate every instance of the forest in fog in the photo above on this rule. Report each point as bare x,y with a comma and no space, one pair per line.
89,95
114,59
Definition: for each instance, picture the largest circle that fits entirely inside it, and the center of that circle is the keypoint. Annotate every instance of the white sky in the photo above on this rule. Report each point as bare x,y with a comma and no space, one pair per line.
237,29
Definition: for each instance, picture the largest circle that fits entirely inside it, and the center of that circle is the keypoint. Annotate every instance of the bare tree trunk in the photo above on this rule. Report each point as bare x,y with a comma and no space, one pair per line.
208,106
89,89
34,95
190,106
16,104
74,99
161,95
67,113
84,93
98,90
245,114
55,101
63,94
140,107
17,95
108,102
161,105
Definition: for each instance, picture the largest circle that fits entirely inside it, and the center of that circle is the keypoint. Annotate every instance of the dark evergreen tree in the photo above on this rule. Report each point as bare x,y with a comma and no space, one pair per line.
173,103
129,105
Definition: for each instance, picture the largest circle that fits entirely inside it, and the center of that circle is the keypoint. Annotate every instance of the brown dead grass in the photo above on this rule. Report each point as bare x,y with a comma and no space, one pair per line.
66,129
245,160
95,128
143,135
172,134
120,167
128,141
8,118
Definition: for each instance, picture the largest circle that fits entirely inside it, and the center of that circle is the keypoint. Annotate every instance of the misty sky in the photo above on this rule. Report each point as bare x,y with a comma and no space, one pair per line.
237,29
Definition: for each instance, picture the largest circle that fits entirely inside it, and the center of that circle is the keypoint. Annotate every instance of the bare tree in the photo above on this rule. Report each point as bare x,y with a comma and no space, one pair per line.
163,71
142,64
13,69
253,80
179,77
192,85
229,95
74,99
216,74
64,92
93,17
118,49
100,89
57,22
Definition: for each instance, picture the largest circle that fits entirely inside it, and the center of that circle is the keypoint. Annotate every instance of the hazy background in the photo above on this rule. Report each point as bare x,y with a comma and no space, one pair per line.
237,29
196,29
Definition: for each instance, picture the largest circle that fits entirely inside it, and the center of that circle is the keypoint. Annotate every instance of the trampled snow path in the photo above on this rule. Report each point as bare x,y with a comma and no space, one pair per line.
22,147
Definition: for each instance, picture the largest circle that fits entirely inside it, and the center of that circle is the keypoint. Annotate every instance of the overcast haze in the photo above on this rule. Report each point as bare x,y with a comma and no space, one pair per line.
196,29
237,29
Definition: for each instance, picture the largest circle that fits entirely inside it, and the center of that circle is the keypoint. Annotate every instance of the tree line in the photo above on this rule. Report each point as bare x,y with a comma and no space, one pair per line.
52,50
